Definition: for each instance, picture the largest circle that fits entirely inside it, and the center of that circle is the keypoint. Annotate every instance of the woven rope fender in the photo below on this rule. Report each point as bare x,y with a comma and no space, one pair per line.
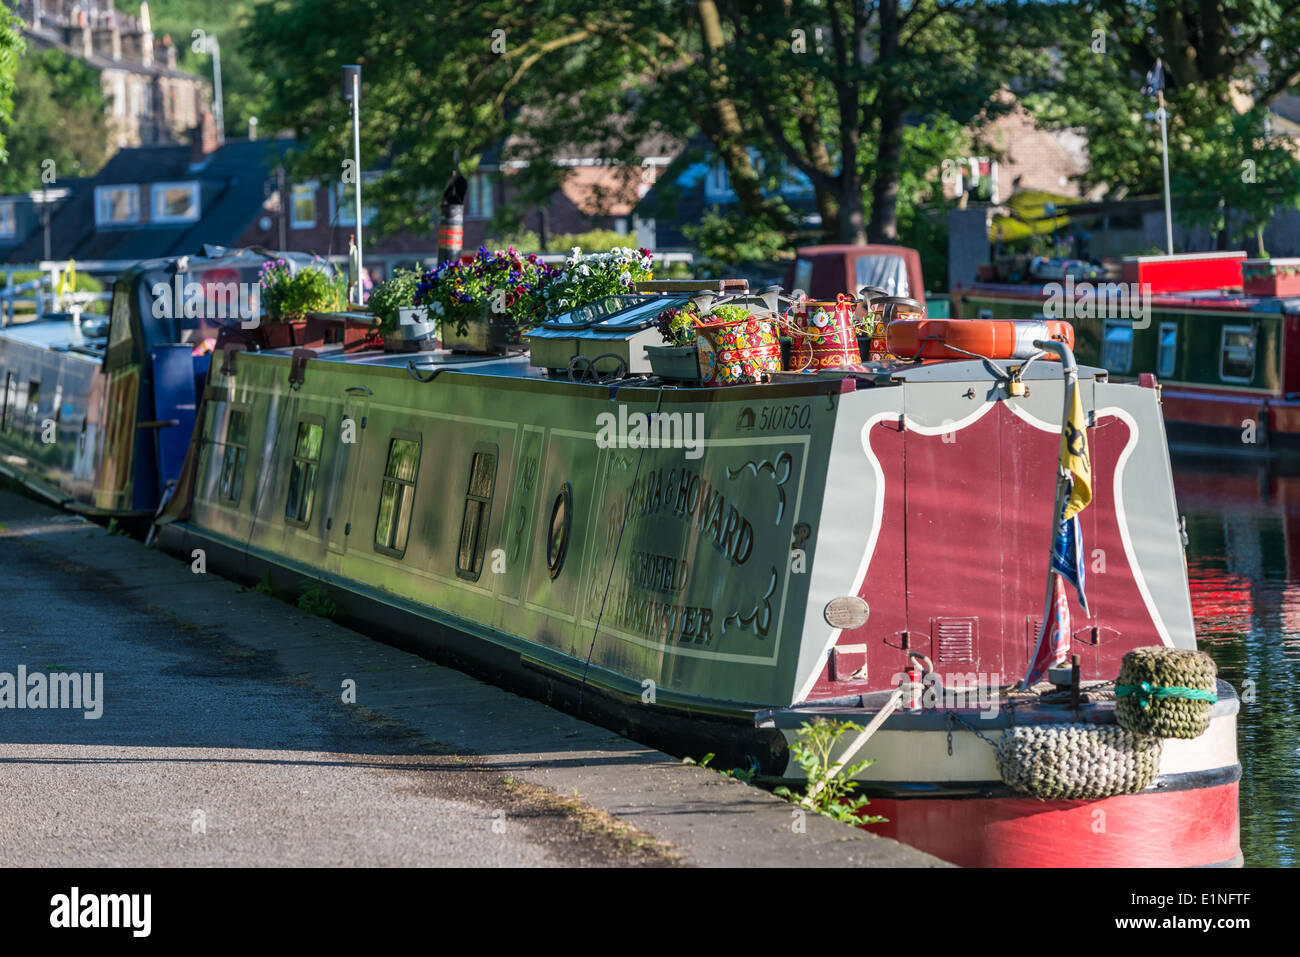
1169,692
1077,761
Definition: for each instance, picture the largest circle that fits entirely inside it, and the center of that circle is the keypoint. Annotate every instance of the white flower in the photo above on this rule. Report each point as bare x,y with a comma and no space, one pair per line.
625,278
585,270
577,252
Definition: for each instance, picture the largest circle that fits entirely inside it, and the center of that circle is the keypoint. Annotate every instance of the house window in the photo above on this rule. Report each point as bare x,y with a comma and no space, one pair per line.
397,496
717,183
480,202
117,205
174,203
1117,345
1168,357
478,512
302,206
8,221
302,476
1237,354
236,453
343,203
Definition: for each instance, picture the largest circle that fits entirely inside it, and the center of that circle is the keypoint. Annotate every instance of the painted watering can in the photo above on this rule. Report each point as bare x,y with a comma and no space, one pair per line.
823,335
738,351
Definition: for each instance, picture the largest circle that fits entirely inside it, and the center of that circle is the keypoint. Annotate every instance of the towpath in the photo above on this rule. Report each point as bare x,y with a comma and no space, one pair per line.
224,740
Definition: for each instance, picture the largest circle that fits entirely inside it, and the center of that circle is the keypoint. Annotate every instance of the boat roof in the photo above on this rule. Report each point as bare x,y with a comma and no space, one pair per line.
58,334
1199,298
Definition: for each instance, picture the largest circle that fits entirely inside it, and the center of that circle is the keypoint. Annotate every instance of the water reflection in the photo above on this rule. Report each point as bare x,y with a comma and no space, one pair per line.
1243,561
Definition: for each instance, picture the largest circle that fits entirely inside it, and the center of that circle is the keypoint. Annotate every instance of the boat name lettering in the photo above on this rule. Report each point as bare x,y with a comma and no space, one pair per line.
664,621
658,572
692,498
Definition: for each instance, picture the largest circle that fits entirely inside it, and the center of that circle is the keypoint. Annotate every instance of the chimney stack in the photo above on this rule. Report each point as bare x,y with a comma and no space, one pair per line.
169,51
203,139
146,35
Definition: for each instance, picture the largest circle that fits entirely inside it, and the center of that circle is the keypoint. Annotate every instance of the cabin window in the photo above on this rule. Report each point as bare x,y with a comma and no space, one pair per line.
8,221
302,476
886,272
234,457
1117,345
33,397
1168,357
1237,355
478,512
557,541
394,521
986,313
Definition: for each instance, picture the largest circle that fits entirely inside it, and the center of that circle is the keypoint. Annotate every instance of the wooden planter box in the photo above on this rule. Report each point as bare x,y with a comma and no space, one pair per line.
353,330
1271,277
490,333
281,335
678,363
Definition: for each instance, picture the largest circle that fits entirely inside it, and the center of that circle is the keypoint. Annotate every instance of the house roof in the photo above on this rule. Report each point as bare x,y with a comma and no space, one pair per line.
232,190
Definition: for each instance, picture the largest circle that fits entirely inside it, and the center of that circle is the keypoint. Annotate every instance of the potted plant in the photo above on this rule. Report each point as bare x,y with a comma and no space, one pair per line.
404,326
736,347
485,303
679,358
591,276
289,295
1271,277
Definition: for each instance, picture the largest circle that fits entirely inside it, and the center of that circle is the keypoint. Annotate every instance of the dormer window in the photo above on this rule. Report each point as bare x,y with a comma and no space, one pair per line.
174,203
117,205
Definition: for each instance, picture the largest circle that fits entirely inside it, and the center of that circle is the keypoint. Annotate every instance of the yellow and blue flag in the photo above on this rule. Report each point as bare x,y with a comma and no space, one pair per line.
1075,459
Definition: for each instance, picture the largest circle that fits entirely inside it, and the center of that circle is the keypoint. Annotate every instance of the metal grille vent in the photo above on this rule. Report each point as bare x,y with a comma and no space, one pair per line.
954,639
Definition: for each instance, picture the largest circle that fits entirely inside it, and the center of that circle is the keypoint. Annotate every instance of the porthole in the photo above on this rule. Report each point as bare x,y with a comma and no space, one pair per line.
557,542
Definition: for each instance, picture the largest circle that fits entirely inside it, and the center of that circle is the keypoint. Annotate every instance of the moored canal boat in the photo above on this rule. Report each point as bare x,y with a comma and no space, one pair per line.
709,569
1220,331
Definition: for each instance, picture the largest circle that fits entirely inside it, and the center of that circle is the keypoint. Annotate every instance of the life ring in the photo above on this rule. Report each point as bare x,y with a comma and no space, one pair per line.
990,338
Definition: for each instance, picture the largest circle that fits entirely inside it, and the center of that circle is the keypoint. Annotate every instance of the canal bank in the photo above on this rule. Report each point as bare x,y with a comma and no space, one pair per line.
225,739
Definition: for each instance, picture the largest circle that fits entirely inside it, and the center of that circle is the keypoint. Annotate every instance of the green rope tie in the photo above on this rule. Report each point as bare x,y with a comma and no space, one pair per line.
1146,691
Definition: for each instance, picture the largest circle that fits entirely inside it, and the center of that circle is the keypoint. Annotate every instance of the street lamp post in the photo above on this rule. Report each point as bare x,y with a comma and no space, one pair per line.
352,93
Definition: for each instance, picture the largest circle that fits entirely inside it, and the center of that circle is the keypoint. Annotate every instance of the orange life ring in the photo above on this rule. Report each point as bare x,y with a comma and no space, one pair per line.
992,338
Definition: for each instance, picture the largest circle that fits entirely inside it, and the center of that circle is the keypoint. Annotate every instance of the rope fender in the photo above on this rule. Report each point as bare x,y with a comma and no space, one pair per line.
1169,692
1077,761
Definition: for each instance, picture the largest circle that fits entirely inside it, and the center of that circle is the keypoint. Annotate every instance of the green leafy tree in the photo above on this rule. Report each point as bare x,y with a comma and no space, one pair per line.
11,48
59,126
1225,64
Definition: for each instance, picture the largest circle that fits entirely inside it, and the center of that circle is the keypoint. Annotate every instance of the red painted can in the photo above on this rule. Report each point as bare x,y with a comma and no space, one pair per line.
823,335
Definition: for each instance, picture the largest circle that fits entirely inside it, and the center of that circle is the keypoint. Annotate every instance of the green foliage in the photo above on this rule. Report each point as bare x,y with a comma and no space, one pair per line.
740,774
1219,58
594,241
59,127
391,295
317,601
723,240
11,49
264,586
813,750
677,326
288,296
726,314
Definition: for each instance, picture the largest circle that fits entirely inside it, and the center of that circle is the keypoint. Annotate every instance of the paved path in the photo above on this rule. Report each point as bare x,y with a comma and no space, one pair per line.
224,740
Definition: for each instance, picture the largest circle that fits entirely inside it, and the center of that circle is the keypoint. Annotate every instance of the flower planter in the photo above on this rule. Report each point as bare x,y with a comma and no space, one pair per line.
283,334
352,330
677,363
738,352
489,332
415,332
1271,277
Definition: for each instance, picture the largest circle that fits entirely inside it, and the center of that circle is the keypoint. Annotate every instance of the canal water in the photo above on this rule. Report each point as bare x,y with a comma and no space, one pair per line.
1243,561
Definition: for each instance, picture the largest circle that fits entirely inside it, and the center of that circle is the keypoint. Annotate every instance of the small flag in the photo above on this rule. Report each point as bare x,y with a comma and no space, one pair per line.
1155,79
1067,554
1075,459
1053,638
